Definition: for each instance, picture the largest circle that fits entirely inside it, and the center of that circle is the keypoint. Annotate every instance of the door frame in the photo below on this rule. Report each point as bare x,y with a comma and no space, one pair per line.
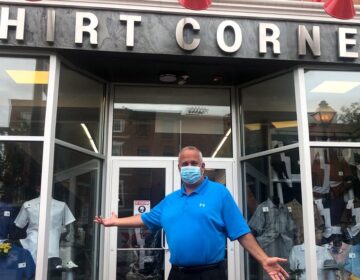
172,183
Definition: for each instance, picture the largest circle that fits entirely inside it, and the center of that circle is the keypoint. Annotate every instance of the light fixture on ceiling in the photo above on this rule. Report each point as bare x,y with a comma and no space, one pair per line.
324,113
217,78
168,78
183,79
88,135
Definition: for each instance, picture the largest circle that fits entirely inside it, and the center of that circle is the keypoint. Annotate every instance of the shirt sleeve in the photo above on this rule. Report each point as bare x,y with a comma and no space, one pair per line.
68,216
235,224
257,221
152,219
22,218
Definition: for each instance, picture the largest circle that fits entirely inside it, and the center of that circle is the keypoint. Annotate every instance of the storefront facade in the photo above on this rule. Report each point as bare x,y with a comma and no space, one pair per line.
96,99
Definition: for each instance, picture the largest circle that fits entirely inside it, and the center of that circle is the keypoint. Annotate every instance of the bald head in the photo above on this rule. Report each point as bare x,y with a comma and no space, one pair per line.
190,148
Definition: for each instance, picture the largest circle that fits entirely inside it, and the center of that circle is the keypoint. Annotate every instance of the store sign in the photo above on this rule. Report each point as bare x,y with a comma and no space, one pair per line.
118,31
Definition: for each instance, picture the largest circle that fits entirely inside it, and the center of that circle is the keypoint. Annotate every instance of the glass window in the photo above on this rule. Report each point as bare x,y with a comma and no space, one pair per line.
20,177
23,90
79,110
73,250
154,121
333,102
269,113
336,191
274,211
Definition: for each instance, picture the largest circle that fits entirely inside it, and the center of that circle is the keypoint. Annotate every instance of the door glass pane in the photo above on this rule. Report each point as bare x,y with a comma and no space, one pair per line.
140,189
269,114
79,110
73,250
274,211
20,177
156,121
23,90
333,105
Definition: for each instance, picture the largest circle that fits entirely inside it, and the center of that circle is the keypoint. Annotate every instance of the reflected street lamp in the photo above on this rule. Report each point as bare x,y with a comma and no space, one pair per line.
324,113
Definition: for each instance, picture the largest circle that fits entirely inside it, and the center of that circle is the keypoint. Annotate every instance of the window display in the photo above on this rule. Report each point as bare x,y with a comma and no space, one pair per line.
336,192
20,170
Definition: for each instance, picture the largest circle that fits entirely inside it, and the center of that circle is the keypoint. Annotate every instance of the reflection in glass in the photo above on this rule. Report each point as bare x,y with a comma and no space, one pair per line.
74,204
269,114
333,104
274,207
141,264
20,174
155,121
79,110
139,187
336,191
23,90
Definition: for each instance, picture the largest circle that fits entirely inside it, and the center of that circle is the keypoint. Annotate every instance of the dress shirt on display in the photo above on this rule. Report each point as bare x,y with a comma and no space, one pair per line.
297,262
327,208
275,229
353,205
29,215
7,217
17,265
352,263
295,210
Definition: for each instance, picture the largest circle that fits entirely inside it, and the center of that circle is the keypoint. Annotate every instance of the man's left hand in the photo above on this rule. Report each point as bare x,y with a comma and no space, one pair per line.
274,269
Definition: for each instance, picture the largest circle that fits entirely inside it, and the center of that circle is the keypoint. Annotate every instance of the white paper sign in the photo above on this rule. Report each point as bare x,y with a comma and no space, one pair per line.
141,206
6,213
265,209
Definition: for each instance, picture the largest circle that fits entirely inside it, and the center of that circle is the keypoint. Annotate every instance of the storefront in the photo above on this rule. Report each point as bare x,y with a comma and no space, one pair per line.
95,103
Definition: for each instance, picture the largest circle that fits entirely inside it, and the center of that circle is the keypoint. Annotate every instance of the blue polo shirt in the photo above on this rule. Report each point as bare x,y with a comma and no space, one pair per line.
198,224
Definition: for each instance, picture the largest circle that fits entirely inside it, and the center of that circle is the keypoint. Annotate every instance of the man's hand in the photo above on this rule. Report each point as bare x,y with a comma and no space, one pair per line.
107,222
127,222
274,269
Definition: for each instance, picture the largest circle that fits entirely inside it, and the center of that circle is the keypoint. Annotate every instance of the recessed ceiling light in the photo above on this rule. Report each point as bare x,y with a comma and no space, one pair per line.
168,78
285,124
29,77
335,87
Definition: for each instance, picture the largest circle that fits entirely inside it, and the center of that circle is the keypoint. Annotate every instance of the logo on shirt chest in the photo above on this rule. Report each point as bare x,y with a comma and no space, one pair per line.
202,205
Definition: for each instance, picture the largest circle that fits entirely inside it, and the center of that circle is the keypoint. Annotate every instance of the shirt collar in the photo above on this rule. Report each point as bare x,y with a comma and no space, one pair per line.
272,205
199,188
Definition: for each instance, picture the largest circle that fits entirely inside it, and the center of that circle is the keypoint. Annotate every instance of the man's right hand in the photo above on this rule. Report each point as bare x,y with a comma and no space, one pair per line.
127,222
107,222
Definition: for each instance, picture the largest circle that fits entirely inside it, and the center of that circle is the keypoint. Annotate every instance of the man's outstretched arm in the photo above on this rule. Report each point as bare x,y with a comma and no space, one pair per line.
114,221
270,264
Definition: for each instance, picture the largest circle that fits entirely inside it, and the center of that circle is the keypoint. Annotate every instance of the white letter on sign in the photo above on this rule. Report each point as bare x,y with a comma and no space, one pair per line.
344,42
130,28
19,23
180,34
80,28
237,34
273,38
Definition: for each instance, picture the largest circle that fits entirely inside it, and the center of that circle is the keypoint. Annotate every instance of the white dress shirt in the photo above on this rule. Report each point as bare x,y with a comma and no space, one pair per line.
29,214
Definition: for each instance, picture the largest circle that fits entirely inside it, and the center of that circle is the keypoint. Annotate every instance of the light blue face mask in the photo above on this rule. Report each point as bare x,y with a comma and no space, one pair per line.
190,174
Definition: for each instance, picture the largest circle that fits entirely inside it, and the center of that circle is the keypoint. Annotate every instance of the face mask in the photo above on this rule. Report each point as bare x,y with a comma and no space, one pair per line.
190,174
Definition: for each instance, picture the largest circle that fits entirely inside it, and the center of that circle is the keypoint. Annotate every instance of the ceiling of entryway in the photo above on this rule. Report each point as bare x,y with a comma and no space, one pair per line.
139,68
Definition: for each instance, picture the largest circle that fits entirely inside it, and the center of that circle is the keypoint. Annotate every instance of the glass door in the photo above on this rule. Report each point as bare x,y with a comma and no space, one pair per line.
221,172
137,186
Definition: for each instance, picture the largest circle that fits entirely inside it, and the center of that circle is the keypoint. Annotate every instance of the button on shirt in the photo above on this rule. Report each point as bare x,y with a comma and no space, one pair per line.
17,265
29,214
198,224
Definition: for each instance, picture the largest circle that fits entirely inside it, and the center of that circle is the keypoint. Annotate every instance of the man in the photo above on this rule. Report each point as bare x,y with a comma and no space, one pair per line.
197,220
